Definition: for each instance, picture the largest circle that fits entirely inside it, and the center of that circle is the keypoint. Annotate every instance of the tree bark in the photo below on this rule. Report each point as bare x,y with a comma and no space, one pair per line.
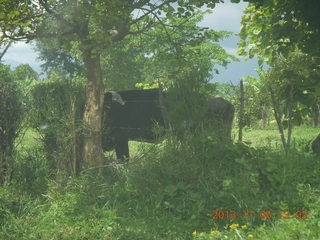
290,125
277,115
74,156
241,111
92,118
315,113
264,115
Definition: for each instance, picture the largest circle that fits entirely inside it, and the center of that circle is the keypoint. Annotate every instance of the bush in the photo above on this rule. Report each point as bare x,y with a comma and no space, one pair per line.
72,211
185,181
57,115
171,190
11,114
31,172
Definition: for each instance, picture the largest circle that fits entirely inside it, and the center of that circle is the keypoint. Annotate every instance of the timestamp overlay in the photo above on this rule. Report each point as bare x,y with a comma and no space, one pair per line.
262,214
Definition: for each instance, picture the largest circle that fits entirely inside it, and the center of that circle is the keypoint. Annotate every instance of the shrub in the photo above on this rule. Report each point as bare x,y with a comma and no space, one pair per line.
31,172
57,115
11,114
185,181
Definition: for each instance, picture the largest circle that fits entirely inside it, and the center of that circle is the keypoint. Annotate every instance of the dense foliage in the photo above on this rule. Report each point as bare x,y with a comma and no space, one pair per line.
274,26
91,27
11,115
57,109
285,36
172,190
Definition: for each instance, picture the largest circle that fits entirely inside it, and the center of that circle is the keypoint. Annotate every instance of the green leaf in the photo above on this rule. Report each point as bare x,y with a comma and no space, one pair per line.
211,5
170,9
181,10
317,90
171,189
188,14
241,51
256,31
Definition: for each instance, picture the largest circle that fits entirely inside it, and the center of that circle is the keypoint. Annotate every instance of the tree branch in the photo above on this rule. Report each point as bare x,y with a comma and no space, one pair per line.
5,49
277,115
44,4
140,4
148,11
149,24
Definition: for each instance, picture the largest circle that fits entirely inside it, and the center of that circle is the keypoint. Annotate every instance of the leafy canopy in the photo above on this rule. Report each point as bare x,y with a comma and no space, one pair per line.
275,27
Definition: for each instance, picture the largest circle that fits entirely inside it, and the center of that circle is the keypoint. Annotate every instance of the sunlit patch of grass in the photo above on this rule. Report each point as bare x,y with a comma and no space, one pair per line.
271,137
28,139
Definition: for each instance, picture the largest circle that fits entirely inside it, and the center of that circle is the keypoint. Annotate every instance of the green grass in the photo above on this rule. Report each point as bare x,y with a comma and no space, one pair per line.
302,136
271,138
28,139
167,191
254,137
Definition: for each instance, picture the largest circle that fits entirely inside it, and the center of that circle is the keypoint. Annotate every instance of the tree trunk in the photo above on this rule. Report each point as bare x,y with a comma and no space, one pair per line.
74,156
92,118
241,111
290,126
264,115
315,113
277,115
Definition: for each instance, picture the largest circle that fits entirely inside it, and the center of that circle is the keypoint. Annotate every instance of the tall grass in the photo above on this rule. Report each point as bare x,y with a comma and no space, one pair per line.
168,191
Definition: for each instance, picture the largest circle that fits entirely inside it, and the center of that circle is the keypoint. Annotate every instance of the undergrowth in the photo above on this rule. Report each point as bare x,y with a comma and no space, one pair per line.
169,191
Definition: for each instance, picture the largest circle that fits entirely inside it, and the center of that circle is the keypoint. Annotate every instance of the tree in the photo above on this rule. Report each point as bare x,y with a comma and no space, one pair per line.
181,57
289,81
148,57
93,26
143,60
257,101
275,26
179,45
24,76
58,58
274,29
285,35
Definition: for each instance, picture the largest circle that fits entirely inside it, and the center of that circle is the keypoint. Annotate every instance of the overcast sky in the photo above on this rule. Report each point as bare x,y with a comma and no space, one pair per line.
225,16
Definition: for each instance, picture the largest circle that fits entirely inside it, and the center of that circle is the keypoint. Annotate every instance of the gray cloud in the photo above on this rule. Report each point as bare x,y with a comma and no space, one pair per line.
22,53
225,16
